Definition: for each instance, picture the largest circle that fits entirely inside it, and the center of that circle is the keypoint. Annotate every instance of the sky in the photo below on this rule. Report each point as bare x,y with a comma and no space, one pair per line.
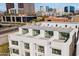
51,5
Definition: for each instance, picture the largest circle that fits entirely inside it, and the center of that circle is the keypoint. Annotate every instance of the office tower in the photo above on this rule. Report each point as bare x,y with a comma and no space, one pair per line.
47,8
9,6
72,9
41,8
69,9
65,9
23,8
28,8
20,5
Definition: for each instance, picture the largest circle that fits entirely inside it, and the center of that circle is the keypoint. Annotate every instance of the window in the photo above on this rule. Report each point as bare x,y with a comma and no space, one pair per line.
26,45
18,19
27,53
24,19
36,32
25,31
4,18
49,20
65,25
56,51
8,19
48,24
35,54
75,26
41,49
56,25
15,42
13,19
60,26
48,34
16,51
64,36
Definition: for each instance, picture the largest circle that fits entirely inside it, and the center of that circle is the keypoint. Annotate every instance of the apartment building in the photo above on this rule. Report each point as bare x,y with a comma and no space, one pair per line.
44,39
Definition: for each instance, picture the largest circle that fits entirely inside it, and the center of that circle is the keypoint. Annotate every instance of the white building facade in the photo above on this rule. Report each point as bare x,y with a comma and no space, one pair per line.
42,40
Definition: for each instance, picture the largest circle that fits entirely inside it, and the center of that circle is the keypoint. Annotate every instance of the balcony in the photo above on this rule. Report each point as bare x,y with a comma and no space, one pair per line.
24,31
64,36
35,32
48,34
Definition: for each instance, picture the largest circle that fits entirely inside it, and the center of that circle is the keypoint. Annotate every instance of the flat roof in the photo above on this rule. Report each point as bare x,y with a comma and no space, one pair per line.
61,22
38,27
18,16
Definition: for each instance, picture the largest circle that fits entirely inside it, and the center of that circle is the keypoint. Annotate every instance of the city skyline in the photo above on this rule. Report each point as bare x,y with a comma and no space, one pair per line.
51,5
39,29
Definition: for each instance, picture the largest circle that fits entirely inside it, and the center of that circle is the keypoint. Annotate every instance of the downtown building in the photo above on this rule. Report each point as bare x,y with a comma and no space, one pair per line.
69,9
22,13
47,11
21,8
9,6
44,39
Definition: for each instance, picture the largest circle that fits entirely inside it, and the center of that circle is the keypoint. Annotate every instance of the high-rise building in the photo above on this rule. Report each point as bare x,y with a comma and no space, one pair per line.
41,8
9,6
20,5
47,8
65,9
70,9
22,8
28,8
